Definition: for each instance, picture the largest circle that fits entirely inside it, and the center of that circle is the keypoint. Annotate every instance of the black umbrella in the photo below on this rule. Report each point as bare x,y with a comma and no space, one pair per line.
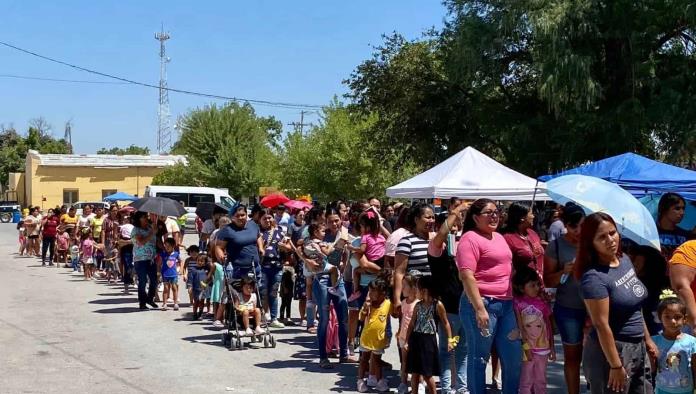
160,206
206,210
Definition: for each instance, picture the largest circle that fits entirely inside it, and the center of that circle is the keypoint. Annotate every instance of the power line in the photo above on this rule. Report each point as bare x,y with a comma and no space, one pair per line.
60,80
189,92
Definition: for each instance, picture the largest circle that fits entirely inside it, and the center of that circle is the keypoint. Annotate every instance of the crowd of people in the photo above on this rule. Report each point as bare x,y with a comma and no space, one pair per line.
479,284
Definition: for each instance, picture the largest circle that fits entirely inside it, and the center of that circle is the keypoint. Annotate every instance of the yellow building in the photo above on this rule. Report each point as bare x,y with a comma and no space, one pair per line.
53,179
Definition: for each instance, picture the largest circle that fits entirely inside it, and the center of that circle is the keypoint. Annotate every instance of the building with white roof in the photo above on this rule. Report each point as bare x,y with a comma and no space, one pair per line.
57,179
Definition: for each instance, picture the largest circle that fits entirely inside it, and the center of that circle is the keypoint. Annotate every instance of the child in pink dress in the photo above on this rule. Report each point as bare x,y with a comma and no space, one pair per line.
534,321
372,246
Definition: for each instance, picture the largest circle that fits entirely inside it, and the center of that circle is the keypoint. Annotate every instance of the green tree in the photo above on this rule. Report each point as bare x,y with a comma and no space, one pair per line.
226,146
338,159
14,148
540,85
131,150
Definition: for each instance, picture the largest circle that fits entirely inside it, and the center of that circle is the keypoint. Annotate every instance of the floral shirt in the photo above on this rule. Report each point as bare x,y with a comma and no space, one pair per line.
142,252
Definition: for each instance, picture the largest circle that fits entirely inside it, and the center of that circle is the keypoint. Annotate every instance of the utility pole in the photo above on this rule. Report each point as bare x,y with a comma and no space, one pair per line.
164,132
300,126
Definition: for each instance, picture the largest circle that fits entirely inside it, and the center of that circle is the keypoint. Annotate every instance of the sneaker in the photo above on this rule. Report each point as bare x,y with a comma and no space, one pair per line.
248,332
403,388
176,307
382,386
333,291
218,324
362,387
276,324
259,331
371,381
164,307
152,304
355,296
303,323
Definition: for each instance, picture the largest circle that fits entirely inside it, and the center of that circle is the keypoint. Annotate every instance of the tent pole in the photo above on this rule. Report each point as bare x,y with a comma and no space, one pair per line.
535,191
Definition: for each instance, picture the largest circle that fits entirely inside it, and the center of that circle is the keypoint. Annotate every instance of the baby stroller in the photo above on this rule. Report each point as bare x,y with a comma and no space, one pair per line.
232,338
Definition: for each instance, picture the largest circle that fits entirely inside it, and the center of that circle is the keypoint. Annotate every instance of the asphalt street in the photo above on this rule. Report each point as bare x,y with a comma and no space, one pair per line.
60,333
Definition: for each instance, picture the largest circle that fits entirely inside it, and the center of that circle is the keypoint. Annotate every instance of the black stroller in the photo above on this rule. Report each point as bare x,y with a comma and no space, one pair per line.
232,338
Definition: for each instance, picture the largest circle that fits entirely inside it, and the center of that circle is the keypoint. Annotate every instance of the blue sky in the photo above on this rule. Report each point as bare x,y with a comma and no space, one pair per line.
288,51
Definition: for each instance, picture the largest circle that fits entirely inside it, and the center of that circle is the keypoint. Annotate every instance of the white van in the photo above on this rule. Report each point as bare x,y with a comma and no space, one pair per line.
191,196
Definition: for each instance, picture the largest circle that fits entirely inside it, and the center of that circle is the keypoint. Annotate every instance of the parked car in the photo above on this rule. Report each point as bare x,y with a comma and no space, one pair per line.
81,204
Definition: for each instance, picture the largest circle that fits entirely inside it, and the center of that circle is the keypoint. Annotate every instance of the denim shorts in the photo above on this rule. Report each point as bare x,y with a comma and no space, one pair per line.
172,281
570,324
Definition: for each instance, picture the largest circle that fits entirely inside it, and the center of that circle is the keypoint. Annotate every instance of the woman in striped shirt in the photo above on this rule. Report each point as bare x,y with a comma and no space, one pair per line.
412,252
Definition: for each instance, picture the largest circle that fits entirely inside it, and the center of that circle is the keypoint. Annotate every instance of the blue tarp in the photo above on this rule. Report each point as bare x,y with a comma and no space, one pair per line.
120,196
639,175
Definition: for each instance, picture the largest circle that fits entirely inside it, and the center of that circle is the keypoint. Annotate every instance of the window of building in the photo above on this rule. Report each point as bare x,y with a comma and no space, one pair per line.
70,196
108,192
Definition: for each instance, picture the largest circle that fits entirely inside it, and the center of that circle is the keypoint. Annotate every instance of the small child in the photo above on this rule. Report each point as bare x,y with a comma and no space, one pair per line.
676,361
534,322
99,257
248,307
87,251
62,242
171,264
421,337
75,256
287,288
195,282
410,292
190,263
372,245
22,233
316,249
110,260
373,339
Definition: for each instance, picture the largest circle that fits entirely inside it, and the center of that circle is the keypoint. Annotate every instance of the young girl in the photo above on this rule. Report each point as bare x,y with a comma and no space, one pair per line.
286,292
248,307
316,249
372,245
62,243
215,279
195,281
421,337
676,361
410,292
373,340
534,322
22,237
87,250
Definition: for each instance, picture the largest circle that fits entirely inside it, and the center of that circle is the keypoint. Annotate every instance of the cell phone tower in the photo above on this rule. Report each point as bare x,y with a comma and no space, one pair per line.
164,131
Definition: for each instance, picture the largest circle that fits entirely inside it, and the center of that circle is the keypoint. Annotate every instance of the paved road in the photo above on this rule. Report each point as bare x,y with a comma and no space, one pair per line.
59,333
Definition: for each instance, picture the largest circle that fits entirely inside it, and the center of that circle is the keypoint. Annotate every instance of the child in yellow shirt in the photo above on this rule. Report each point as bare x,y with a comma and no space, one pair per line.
373,339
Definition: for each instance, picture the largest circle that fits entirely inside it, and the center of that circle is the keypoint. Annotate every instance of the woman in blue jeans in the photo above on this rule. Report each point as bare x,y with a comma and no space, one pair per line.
320,294
484,260
271,265
143,238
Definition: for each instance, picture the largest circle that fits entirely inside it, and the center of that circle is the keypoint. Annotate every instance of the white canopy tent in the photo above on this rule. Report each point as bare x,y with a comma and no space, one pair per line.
470,174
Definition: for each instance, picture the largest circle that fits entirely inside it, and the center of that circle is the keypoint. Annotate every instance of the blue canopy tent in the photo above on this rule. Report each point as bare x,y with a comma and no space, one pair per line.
638,175
120,196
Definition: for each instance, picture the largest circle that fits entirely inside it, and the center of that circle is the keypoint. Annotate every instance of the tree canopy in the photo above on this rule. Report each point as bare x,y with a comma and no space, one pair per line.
131,150
226,146
540,85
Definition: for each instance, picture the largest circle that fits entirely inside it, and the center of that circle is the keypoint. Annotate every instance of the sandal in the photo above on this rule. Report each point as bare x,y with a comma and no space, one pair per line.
312,330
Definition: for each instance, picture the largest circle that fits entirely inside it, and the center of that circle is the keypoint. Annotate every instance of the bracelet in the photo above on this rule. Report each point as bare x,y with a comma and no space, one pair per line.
619,367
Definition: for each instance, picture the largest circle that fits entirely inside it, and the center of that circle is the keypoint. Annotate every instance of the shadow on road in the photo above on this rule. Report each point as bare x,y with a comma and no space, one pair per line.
114,301
125,309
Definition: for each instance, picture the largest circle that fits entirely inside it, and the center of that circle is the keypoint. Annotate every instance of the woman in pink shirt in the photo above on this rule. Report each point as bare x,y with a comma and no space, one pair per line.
486,311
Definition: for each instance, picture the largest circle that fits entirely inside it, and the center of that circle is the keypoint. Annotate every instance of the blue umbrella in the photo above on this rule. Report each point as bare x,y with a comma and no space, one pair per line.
120,196
597,195
651,201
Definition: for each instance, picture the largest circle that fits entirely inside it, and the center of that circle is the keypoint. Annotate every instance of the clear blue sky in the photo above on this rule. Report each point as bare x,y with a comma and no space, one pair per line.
289,51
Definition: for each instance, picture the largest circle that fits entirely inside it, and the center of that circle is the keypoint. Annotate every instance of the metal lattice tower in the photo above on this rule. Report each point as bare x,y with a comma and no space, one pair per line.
164,131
